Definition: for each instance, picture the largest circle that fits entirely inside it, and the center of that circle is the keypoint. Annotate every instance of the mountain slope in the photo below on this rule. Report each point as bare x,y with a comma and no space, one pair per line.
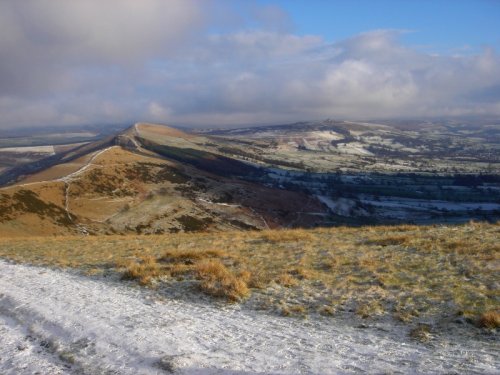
122,185
157,179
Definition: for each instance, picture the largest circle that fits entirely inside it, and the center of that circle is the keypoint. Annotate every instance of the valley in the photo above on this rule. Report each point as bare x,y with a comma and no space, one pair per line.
154,179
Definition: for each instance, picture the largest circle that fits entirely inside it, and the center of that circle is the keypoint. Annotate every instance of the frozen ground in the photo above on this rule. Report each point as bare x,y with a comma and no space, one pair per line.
27,149
54,322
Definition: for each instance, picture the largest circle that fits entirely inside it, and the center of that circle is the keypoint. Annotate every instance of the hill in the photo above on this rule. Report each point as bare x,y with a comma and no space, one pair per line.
157,179
148,179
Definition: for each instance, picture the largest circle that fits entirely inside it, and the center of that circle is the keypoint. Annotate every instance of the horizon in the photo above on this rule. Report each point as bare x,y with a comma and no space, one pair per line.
232,64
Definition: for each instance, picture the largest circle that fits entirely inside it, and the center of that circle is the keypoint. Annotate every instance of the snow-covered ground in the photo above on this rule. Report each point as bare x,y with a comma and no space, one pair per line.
34,149
342,206
426,204
55,322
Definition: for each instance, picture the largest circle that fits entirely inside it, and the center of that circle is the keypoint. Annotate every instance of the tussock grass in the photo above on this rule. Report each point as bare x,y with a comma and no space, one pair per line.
370,309
287,280
218,281
143,270
422,333
412,273
390,240
490,319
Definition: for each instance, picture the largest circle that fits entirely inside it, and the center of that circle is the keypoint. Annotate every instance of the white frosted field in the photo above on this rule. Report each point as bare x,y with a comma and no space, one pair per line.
33,149
55,322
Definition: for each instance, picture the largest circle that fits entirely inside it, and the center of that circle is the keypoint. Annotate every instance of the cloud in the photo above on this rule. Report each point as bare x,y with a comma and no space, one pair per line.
283,77
47,42
176,61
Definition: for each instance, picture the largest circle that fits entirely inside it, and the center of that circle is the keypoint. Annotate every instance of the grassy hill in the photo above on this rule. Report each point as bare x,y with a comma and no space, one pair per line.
134,185
435,275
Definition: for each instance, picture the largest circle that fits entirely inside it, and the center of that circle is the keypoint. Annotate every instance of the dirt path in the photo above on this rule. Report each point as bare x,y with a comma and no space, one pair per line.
56,322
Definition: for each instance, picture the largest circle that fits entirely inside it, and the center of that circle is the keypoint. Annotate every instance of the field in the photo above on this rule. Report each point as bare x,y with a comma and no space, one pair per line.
437,275
329,146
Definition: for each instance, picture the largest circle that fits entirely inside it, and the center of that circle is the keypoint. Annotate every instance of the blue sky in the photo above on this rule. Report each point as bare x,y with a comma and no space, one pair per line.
437,25
242,62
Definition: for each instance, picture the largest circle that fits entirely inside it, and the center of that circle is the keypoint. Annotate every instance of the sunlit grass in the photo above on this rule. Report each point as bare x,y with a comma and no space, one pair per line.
407,272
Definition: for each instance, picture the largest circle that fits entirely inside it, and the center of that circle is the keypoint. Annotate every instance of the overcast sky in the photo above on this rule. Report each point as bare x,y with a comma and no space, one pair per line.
209,62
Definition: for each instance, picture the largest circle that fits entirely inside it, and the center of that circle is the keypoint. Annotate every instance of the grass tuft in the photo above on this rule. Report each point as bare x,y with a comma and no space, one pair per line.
218,281
490,319
421,332
190,255
287,280
144,270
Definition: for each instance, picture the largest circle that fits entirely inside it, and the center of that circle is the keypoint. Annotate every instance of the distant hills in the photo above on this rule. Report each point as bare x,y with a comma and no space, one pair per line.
152,179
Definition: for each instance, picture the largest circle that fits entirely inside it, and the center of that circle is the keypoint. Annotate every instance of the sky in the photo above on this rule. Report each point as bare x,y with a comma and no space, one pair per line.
241,62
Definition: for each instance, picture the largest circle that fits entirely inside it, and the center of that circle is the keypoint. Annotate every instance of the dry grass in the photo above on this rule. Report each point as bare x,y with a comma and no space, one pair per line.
490,319
370,309
205,265
409,272
218,281
283,235
190,255
287,280
421,332
144,270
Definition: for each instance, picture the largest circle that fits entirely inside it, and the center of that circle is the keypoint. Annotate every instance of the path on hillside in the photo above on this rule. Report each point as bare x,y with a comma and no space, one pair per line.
67,184
55,322
80,170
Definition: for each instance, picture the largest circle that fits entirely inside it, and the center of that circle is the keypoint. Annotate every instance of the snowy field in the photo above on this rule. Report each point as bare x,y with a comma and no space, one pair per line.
55,322
30,149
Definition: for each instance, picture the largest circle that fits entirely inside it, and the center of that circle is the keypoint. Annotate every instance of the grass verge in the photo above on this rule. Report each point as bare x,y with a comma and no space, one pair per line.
408,272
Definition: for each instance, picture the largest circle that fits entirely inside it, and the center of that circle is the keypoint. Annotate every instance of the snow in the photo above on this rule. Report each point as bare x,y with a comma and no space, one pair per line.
423,205
34,149
352,148
342,206
55,322
325,135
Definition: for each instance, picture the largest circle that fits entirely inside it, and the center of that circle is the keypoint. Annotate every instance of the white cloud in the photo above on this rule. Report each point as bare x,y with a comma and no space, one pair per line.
89,61
158,112
45,41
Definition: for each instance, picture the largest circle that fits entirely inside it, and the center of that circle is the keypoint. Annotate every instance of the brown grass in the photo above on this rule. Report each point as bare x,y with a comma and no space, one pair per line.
421,332
490,319
218,281
412,273
391,240
287,280
370,309
190,255
144,270
283,235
